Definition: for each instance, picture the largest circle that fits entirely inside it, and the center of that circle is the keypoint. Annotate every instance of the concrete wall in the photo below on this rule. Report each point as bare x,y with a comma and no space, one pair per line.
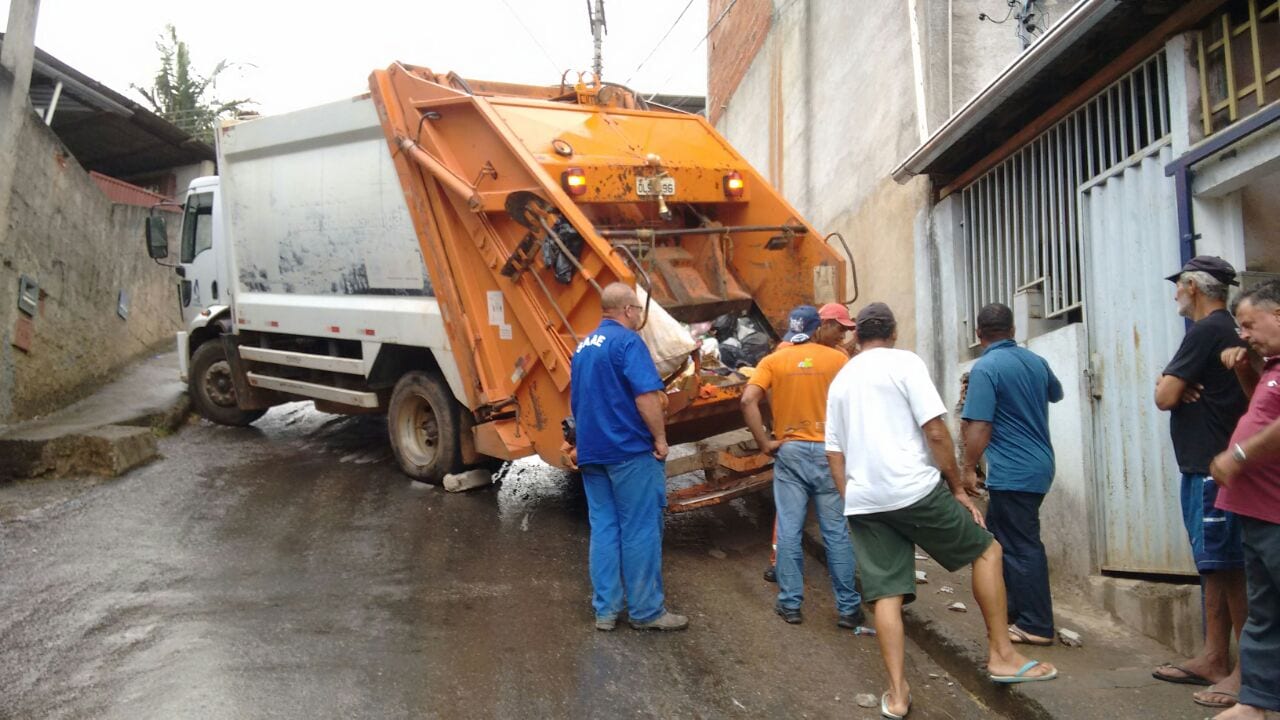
832,101
82,250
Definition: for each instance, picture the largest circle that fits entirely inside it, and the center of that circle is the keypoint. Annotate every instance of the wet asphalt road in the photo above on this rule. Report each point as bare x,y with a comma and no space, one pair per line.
289,571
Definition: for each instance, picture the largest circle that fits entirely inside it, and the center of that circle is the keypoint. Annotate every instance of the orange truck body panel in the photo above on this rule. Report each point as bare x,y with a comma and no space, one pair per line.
462,148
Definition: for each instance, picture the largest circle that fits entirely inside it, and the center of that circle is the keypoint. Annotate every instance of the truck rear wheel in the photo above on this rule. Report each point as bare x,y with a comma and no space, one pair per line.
424,426
212,392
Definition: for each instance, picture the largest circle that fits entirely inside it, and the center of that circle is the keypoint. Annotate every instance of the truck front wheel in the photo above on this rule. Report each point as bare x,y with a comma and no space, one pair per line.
424,426
212,391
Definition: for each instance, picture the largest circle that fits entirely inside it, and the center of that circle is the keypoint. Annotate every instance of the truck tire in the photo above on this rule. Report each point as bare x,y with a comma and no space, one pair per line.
424,424
212,392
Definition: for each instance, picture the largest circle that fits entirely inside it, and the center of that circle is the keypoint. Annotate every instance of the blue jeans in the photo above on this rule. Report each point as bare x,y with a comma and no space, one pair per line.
1014,518
624,503
1260,638
800,472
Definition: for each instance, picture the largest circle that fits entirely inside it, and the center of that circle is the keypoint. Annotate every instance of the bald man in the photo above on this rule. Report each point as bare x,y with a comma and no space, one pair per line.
617,399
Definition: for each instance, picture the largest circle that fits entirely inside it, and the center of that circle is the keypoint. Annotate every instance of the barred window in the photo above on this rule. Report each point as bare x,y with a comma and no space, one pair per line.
1021,218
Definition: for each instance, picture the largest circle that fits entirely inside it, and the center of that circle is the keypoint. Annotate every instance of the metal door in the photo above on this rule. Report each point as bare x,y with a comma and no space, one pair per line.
1131,244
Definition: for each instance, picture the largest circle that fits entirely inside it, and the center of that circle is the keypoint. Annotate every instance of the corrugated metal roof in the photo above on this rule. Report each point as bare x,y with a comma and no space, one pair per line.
105,130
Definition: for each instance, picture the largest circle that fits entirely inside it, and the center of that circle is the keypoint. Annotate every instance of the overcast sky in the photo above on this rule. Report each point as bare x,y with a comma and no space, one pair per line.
290,54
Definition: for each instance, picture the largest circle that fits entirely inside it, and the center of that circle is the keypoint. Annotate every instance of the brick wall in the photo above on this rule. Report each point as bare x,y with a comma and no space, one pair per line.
82,250
732,46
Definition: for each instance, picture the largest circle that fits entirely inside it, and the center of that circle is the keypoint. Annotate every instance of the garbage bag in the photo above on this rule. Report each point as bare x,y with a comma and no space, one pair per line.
552,256
669,342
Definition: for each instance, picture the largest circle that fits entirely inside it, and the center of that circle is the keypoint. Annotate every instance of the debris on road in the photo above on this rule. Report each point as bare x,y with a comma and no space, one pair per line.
717,553
867,700
957,607
468,480
921,578
921,557
864,630
947,589
1070,638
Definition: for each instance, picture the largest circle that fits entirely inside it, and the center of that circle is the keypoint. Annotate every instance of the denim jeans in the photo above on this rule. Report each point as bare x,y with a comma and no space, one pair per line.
625,502
1260,638
800,472
1014,518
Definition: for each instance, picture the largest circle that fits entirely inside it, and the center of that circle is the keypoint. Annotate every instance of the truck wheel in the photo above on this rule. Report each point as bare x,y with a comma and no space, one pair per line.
211,389
423,423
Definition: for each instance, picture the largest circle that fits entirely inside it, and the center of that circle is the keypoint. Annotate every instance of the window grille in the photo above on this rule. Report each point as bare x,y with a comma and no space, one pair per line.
1021,225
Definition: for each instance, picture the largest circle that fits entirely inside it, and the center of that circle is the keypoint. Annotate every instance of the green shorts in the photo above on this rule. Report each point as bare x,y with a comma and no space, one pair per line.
885,543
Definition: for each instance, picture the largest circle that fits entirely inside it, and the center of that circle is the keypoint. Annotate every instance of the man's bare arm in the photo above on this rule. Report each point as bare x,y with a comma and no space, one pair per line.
835,462
977,435
1261,448
938,437
751,398
650,405
1244,364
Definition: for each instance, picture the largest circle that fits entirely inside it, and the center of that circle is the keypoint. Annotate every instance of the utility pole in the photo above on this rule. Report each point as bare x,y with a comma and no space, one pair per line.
598,30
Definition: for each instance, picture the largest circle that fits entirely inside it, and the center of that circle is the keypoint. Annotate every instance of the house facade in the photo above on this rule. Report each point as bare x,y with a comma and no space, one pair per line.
1065,179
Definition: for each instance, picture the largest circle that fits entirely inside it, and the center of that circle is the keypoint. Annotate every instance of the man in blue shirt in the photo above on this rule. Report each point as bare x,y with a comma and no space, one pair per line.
1006,414
617,401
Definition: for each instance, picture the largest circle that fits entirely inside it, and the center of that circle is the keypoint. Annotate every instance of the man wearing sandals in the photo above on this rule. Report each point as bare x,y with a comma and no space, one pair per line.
889,452
1006,414
1205,401
1249,473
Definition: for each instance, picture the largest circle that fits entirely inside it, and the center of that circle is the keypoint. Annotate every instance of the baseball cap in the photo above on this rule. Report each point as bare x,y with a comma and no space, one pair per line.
837,312
1218,268
877,312
802,323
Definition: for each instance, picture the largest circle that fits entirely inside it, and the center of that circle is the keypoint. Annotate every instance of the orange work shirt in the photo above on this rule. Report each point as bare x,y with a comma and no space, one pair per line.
798,376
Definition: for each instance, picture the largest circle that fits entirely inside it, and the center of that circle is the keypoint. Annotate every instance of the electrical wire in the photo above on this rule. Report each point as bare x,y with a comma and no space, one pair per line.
710,30
532,37
660,41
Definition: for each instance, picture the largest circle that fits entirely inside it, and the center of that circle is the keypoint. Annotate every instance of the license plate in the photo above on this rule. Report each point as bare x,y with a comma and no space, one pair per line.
655,186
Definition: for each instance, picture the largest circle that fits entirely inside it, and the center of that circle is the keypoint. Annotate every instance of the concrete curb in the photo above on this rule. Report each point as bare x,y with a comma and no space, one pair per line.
960,656
107,450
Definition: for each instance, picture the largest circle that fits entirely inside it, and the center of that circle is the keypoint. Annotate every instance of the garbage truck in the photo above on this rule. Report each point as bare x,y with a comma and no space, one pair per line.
435,250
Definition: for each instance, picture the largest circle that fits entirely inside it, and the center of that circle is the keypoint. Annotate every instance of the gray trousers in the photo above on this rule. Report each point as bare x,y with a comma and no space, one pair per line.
1260,637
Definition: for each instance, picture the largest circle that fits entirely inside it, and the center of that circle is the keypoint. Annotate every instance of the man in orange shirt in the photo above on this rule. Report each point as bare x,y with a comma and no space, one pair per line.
799,375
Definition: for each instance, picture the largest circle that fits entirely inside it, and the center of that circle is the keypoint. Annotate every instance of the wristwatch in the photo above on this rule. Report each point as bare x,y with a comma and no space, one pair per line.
1237,452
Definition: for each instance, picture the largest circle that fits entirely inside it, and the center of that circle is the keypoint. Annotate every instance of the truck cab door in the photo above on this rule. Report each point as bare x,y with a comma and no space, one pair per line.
199,276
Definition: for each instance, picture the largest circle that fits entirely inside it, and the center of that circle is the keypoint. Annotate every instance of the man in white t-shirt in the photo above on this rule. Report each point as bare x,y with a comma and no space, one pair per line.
889,450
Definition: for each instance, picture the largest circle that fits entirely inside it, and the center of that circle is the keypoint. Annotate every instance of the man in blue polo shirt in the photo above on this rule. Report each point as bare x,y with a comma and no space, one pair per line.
1006,414
617,401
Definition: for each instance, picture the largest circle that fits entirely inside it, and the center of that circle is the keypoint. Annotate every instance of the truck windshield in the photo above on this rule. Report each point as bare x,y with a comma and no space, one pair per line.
197,226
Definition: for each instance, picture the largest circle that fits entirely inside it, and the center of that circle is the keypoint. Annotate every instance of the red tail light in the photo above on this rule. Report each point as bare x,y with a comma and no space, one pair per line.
734,185
574,181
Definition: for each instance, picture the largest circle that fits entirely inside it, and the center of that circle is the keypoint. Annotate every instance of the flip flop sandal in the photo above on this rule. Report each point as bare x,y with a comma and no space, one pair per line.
1187,678
1018,636
1022,677
885,712
1213,703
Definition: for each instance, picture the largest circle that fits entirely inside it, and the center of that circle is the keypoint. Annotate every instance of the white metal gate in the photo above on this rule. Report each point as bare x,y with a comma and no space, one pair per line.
1131,243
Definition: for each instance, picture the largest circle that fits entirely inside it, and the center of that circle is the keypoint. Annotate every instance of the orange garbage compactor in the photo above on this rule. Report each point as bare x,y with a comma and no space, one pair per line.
501,178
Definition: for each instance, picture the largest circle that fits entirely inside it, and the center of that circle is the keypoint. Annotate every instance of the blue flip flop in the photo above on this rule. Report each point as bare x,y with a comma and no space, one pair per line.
1022,677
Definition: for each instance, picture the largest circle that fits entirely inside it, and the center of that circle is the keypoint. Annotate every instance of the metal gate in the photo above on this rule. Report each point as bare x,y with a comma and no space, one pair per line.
1131,243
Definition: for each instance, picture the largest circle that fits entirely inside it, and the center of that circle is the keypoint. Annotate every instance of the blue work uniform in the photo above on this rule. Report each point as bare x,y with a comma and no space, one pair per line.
625,484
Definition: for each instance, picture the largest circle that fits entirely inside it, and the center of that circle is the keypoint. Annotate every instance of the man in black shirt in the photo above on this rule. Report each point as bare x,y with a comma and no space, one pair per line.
1205,402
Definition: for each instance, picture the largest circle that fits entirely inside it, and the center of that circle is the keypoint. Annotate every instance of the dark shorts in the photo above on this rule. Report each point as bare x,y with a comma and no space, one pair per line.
1215,535
885,543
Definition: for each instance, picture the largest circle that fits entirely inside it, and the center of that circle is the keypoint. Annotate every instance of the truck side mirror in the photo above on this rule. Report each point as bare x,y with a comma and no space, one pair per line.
157,238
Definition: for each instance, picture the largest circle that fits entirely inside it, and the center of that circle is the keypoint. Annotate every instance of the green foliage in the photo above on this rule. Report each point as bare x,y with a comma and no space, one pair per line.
182,96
